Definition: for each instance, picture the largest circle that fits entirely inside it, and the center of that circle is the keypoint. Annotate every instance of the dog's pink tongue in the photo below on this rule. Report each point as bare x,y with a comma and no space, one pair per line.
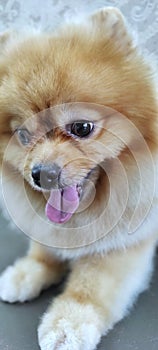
62,204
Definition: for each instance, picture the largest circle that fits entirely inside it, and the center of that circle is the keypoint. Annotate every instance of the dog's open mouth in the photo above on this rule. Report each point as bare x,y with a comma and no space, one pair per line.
62,204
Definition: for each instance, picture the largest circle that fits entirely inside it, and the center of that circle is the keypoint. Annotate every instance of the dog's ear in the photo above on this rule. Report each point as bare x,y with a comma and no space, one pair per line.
5,39
109,23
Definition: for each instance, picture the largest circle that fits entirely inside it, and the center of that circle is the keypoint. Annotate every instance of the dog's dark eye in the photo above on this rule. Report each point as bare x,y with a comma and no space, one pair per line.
81,128
24,136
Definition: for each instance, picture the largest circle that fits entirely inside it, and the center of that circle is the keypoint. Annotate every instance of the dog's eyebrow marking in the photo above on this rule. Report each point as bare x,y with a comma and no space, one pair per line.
50,134
60,134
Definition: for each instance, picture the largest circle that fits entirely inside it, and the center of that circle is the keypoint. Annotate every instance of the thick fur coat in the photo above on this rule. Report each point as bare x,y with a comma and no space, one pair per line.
89,71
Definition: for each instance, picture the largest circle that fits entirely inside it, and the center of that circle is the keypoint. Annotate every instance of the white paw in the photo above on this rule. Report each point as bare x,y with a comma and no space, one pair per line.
67,338
76,328
24,280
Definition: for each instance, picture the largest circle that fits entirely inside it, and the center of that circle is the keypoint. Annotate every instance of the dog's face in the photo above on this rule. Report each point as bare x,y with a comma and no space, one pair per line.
61,103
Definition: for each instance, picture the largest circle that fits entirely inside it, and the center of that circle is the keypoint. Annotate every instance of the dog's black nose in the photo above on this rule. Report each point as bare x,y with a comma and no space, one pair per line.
46,176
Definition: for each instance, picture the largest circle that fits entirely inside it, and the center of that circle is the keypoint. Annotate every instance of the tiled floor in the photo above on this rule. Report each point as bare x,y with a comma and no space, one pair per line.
18,323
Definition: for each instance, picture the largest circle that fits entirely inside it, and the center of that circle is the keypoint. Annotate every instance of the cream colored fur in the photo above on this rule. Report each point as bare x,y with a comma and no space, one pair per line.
108,269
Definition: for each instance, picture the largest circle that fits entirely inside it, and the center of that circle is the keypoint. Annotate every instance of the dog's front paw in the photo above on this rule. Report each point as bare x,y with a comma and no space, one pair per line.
24,280
70,325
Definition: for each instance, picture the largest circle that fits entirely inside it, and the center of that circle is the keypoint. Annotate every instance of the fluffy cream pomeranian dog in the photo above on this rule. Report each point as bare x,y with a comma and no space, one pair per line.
78,145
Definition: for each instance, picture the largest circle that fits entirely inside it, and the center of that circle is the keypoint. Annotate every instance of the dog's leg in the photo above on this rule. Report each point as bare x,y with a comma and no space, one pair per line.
30,275
99,293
